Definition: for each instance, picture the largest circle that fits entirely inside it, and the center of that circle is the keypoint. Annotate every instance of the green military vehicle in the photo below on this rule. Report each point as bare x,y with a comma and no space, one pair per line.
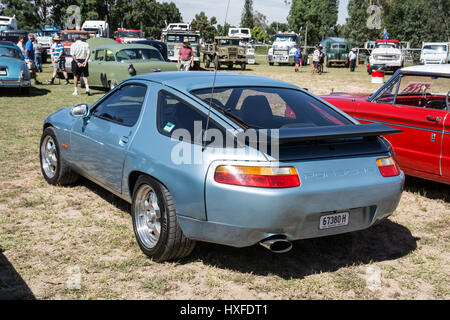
224,51
337,53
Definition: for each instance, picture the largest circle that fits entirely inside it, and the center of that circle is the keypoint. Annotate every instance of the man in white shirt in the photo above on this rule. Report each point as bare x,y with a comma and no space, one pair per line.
80,54
352,56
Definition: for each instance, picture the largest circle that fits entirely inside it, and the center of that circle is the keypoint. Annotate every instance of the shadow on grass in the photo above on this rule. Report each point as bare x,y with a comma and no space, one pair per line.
16,92
385,241
12,286
429,189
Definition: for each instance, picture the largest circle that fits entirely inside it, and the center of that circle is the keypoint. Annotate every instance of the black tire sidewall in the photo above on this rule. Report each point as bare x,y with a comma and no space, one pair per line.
158,249
51,132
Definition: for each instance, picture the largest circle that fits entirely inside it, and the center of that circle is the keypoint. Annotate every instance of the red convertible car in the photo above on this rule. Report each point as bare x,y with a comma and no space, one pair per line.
416,101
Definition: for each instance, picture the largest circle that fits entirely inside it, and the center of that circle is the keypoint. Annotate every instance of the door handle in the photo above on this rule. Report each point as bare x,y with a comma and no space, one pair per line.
123,140
434,119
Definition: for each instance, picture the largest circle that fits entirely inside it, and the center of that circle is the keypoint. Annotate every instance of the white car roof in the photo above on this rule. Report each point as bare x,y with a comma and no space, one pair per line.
435,69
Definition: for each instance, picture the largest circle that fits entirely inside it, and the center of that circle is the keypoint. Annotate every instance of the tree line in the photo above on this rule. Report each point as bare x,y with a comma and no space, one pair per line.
406,20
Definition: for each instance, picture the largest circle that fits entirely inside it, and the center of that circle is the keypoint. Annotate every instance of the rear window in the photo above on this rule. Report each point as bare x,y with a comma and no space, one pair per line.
272,108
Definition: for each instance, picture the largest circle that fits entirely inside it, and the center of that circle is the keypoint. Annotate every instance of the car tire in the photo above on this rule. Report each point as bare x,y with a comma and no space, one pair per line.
54,168
243,66
155,222
370,70
270,63
207,63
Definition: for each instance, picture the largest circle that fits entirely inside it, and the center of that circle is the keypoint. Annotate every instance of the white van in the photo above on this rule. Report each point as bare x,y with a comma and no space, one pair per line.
435,53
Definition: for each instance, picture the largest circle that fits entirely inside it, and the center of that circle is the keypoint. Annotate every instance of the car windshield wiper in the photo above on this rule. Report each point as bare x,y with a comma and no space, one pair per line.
228,113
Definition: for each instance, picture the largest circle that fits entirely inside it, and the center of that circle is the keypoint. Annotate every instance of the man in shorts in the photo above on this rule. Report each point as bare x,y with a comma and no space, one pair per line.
58,60
29,57
80,53
321,58
316,60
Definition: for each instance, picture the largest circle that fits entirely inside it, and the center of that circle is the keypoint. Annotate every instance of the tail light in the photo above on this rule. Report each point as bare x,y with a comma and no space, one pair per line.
388,167
261,177
22,74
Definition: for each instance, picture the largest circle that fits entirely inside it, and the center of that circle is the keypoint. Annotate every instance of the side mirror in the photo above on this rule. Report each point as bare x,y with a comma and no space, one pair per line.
80,110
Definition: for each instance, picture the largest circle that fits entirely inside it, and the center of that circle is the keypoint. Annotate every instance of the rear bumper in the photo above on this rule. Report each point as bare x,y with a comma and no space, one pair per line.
15,83
243,216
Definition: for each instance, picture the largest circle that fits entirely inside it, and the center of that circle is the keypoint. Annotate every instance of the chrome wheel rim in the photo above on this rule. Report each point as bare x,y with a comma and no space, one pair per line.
49,159
147,216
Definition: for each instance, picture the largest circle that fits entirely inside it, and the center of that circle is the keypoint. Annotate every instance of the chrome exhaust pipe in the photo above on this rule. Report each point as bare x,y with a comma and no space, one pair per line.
277,244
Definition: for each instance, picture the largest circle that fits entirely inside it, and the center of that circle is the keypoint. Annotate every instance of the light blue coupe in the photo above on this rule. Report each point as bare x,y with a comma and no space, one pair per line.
252,160
13,69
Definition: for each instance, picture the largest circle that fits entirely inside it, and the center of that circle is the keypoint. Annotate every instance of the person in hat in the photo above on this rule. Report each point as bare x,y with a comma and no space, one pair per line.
29,57
352,56
58,60
316,60
186,56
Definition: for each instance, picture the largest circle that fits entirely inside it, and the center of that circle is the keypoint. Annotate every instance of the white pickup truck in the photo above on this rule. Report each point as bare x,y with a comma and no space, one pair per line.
387,53
435,53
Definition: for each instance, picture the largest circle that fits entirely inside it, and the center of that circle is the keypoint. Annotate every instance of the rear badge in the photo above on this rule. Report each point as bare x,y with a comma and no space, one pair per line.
169,127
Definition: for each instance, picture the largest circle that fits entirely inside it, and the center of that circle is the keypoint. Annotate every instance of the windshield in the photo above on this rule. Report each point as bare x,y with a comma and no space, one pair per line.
272,108
180,38
338,46
139,54
128,34
10,52
91,30
284,39
387,45
229,42
435,48
48,33
74,36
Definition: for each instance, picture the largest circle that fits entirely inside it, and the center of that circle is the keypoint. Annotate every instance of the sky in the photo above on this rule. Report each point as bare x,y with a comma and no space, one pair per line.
274,10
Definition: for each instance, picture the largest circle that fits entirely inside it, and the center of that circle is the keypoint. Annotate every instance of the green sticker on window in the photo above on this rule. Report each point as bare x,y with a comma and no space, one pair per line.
169,127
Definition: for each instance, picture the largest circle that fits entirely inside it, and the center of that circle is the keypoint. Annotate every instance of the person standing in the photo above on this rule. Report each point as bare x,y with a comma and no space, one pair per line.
29,57
316,60
21,44
186,56
80,53
58,60
352,56
38,55
321,58
298,59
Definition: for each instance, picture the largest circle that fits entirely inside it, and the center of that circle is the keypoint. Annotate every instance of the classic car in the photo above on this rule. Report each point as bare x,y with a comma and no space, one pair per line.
14,72
186,159
110,64
160,45
415,100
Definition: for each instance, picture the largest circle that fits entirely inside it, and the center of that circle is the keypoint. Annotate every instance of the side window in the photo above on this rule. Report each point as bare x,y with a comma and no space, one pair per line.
175,114
100,55
123,106
387,96
109,56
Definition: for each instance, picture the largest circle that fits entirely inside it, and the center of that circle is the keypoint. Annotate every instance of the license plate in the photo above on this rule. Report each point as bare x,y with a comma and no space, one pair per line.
3,73
334,220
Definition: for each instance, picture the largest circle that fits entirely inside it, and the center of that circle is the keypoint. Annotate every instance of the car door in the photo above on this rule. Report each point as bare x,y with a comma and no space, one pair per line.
445,162
418,147
96,68
99,142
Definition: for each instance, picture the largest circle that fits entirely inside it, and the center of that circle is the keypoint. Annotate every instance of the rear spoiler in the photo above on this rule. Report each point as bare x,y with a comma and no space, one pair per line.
327,132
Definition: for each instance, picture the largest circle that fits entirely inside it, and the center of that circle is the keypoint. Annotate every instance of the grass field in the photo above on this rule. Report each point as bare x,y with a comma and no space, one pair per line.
52,236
